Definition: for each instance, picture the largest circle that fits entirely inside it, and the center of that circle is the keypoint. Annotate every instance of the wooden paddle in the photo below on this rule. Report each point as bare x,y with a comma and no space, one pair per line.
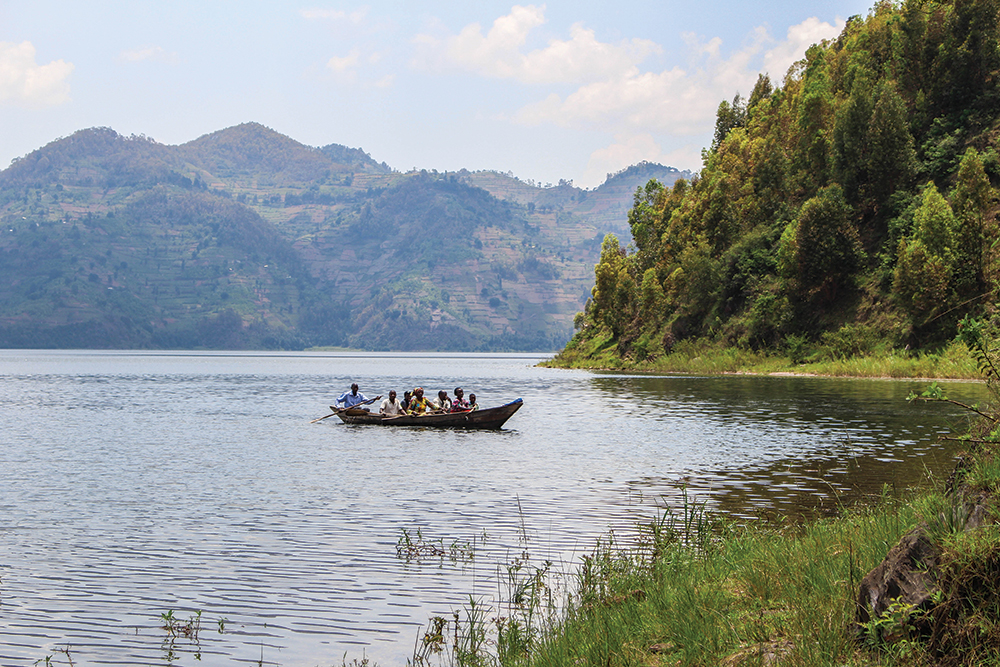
338,411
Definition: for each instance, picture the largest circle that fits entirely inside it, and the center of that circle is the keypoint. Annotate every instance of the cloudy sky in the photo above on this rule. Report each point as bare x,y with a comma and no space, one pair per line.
548,91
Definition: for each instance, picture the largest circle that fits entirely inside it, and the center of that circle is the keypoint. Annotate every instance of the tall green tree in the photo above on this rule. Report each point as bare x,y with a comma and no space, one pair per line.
827,251
926,261
970,202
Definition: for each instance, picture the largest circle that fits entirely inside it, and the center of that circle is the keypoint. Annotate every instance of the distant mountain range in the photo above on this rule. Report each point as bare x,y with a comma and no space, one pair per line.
246,238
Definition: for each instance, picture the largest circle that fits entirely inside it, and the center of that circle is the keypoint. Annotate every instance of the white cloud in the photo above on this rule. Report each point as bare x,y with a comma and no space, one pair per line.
675,101
799,38
344,64
25,82
154,53
498,53
349,69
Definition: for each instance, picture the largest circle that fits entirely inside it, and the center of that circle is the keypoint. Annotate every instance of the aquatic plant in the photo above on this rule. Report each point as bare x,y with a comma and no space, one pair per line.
178,631
414,546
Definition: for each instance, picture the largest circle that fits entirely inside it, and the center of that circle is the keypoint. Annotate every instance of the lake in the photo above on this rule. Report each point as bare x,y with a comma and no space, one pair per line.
139,484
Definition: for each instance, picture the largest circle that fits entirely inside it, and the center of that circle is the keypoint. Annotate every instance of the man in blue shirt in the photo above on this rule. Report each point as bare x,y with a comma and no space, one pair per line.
352,397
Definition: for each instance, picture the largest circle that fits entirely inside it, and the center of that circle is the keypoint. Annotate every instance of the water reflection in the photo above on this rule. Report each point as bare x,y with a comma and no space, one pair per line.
791,446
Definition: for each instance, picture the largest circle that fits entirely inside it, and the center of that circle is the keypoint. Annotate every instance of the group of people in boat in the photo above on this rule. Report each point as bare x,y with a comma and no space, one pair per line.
413,403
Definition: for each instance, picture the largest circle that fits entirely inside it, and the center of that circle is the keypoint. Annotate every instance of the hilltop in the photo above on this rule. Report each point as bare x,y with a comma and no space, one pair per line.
246,238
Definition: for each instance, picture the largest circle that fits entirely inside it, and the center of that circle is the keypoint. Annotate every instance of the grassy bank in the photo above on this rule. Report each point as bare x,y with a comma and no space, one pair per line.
686,589
703,357
689,590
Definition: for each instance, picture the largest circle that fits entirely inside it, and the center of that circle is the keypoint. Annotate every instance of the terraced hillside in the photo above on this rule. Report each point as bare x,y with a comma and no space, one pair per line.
247,238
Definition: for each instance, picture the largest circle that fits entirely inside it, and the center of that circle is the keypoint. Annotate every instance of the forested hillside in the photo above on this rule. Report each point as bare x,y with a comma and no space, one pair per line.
246,238
849,206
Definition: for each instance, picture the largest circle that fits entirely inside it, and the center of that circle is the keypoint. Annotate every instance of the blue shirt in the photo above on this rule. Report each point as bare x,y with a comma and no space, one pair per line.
350,400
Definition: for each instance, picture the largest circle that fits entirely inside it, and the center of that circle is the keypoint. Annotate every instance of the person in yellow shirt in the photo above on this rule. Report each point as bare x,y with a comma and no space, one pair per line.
418,403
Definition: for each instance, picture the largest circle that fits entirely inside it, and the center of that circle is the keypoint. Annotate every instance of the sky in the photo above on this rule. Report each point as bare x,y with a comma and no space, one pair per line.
549,91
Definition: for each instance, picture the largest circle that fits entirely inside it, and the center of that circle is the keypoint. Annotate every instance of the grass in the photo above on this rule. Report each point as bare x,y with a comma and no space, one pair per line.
726,592
688,590
710,358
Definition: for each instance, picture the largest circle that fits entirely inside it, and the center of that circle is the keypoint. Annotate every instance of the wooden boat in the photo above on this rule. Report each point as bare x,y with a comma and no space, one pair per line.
488,418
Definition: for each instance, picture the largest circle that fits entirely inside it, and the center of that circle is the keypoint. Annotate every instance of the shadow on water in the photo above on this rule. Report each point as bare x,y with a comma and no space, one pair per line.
797,446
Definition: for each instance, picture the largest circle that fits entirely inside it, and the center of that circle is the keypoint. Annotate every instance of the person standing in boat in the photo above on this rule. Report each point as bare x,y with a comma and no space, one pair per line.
352,398
419,403
459,404
391,407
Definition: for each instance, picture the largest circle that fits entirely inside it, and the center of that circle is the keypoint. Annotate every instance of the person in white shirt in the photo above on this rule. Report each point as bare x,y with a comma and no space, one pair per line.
391,407
443,402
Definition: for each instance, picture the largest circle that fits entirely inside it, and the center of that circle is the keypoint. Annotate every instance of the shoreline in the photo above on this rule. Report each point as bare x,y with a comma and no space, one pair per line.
954,363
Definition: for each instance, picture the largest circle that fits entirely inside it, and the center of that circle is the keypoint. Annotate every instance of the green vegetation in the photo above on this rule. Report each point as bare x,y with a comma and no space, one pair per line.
245,238
690,589
828,357
848,212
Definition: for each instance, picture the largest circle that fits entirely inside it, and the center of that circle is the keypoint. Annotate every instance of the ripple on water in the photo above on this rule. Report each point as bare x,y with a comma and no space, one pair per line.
136,484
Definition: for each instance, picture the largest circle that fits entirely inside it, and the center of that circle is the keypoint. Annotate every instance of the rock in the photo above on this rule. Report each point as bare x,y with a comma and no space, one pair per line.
906,576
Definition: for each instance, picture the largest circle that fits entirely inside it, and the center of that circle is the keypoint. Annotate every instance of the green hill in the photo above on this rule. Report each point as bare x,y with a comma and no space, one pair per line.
246,238
852,209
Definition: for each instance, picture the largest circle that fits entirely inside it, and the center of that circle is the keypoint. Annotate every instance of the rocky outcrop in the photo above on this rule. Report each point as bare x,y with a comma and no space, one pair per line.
906,576
907,583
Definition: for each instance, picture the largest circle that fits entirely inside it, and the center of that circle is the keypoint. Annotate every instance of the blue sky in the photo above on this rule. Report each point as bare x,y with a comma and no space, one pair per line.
560,90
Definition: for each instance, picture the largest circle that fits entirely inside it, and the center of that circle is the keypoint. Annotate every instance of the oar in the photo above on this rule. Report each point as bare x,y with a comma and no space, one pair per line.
338,411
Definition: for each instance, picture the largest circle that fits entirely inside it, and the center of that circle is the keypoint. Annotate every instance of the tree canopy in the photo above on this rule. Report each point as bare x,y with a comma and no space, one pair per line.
858,193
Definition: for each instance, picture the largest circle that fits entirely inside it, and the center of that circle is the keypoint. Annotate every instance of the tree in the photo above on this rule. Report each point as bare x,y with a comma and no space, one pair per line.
970,201
892,160
613,294
827,251
926,261
727,118
645,219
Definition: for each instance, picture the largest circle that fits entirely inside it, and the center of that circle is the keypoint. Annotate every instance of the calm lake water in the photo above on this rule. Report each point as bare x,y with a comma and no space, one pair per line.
136,484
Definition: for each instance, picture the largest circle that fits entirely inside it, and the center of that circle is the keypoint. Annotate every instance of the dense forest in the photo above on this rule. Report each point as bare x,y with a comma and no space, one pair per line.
849,205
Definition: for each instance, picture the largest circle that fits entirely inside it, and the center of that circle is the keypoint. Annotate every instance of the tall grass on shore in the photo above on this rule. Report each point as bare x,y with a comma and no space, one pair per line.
830,357
684,589
702,592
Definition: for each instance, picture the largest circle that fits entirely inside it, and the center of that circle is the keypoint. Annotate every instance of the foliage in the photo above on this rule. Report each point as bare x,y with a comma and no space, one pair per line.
857,194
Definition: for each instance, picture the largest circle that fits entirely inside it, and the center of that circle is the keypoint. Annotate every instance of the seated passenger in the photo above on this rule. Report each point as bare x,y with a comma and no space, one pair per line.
443,402
391,407
472,402
459,404
418,403
406,400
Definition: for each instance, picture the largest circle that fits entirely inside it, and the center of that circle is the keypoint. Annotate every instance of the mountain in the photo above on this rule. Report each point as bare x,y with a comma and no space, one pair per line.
246,238
853,210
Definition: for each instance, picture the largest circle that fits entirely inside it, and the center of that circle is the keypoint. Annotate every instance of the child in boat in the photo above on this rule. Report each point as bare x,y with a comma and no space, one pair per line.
443,402
459,404
472,402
